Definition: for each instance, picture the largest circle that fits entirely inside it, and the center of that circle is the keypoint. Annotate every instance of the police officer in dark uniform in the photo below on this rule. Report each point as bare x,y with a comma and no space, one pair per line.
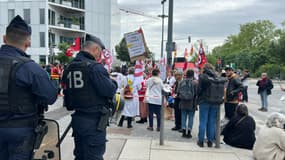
24,85
88,89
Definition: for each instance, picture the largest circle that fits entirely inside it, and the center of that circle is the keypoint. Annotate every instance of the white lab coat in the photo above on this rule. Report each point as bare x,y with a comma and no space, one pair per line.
131,107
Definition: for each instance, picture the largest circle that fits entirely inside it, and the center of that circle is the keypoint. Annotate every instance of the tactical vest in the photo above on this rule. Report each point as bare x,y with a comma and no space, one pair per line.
14,99
79,94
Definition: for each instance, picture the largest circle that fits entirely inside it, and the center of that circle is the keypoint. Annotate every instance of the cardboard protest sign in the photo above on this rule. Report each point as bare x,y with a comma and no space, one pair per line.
136,45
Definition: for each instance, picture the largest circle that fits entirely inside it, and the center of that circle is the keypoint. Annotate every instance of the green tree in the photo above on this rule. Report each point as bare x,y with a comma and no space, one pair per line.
61,57
256,44
123,53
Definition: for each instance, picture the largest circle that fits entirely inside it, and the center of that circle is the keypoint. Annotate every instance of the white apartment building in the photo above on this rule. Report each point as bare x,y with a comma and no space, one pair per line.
56,21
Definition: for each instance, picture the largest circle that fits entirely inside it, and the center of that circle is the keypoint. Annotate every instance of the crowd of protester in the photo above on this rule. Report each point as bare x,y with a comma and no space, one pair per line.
143,99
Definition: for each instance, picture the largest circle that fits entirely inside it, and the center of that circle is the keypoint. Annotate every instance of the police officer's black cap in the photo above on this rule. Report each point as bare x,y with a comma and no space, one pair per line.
95,40
18,23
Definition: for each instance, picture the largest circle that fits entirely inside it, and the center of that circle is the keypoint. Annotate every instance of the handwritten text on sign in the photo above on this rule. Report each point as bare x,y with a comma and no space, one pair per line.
135,43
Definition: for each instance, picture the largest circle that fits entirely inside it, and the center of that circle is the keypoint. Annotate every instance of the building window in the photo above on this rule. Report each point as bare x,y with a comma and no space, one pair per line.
68,40
42,59
27,15
42,16
42,39
51,17
51,39
11,14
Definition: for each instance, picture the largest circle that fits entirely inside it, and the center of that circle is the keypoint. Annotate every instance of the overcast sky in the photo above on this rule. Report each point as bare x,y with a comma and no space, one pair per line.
209,20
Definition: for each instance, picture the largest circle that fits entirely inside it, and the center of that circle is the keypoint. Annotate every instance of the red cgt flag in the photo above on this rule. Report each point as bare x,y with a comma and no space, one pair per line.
201,58
185,61
75,47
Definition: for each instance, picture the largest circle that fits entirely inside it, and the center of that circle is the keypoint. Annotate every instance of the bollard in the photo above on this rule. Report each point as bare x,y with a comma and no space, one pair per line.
161,138
218,127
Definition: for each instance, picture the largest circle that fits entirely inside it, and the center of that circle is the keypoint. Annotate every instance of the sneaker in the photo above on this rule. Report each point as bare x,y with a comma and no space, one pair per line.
175,129
210,144
261,109
141,121
200,144
150,128
130,126
157,129
189,135
264,110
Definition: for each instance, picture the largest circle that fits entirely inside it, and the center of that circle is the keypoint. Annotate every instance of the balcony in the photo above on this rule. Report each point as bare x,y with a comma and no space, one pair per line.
67,5
69,23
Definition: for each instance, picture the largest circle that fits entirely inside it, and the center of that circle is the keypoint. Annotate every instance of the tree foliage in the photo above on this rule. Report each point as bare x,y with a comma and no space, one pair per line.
123,53
257,44
61,57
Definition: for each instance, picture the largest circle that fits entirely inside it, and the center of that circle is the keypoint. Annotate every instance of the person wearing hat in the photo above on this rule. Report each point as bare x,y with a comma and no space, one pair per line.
88,90
24,89
234,87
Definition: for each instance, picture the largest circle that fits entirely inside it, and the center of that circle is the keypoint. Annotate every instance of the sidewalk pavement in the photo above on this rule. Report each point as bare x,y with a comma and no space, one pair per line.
140,144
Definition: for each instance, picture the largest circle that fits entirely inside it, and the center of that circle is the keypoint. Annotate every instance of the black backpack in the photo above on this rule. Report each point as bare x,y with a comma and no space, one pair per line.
186,91
215,91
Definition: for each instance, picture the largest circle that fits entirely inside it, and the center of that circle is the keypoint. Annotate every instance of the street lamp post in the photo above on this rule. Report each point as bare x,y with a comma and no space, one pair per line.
161,139
162,30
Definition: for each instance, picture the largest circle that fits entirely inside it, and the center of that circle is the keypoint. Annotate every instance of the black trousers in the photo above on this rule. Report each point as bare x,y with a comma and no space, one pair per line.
230,109
177,114
244,94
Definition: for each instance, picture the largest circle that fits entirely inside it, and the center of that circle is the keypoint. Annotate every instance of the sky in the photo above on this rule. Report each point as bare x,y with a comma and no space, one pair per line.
211,21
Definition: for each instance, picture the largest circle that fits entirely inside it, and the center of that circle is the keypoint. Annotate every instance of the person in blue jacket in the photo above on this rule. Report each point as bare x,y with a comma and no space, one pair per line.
24,88
88,90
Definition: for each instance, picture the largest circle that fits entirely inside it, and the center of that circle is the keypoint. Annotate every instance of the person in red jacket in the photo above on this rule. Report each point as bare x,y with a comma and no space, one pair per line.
142,104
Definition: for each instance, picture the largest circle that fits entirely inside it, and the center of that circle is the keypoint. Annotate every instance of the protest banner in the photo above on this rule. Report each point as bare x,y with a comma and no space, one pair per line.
136,45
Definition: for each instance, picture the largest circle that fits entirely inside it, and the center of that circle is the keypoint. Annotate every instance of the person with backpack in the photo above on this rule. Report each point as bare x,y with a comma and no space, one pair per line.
210,96
187,92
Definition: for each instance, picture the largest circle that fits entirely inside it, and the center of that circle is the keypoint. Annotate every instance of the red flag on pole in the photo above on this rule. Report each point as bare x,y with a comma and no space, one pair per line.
185,61
75,47
201,58
192,51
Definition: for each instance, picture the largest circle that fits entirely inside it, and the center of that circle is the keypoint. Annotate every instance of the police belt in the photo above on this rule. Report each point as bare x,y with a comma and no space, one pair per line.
29,122
87,113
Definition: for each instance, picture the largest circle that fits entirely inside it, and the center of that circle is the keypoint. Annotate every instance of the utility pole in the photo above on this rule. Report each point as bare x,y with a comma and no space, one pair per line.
169,45
162,30
161,139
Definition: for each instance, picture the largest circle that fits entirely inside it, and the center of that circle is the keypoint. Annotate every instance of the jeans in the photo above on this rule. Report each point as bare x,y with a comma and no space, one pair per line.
154,108
90,143
184,114
207,118
264,102
16,143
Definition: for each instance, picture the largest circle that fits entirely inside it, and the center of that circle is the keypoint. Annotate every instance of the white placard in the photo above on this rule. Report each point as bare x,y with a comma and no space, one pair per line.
135,43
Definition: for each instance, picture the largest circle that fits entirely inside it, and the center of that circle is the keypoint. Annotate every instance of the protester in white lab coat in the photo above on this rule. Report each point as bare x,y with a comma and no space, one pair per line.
131,108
